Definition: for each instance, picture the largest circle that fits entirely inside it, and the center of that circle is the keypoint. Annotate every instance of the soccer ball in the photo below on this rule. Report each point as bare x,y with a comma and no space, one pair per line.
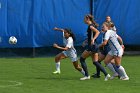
12,40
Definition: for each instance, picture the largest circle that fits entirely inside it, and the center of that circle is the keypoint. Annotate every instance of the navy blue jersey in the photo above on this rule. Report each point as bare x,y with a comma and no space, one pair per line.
90,34
106,48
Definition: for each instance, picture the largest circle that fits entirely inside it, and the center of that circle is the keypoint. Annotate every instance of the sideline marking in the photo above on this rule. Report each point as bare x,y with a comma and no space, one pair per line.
12,85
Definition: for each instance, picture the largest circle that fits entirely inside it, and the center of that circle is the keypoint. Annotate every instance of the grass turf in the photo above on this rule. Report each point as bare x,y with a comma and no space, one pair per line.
36,76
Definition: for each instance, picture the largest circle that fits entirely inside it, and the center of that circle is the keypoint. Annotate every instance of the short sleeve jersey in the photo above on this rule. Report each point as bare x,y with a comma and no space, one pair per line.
111,36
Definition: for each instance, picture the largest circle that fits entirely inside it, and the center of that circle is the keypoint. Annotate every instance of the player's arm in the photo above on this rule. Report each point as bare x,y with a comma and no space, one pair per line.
120,41
106,38
69,45
84,43
61,48
103,44
96,33
59,29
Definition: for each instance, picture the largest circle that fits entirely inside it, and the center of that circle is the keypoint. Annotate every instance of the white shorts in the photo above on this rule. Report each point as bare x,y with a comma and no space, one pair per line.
71,54
118,53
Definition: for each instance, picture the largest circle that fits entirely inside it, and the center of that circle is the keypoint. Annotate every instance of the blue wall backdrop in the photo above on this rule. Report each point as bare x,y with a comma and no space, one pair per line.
32,21
126,16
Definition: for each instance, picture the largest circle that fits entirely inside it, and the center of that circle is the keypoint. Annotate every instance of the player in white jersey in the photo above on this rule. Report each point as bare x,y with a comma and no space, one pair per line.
68,50
104,51
116,51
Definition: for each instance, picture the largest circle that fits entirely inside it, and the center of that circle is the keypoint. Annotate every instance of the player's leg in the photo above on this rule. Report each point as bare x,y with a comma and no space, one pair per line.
77,67
98,65
100,58
58,57
113,69
110,58
84,55
121,68
73,56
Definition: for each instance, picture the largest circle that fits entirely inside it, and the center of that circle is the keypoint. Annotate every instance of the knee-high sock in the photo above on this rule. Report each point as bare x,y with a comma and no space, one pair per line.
97,64
58,66
122,70
98,70
84,66
111,68
116,69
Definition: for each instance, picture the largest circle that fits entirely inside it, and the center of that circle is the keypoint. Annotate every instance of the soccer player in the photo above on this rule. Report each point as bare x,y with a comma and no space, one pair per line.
68,50
104,51
108,20
116,51
92,48
102,54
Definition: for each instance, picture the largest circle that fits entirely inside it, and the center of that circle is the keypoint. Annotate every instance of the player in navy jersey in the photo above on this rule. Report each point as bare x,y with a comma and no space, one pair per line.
92,48
68,50
116,51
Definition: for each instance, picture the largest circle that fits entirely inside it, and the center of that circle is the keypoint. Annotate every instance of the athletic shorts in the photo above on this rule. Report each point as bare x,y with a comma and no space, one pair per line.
118,53
93,48
105,50
71,54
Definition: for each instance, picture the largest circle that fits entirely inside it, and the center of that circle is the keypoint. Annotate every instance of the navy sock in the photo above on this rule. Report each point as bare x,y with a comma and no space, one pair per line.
98,65
116,68
84,66
98,70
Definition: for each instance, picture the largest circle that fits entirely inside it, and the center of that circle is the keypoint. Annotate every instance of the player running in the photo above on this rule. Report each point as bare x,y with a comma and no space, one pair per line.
116,51
92,48
68,50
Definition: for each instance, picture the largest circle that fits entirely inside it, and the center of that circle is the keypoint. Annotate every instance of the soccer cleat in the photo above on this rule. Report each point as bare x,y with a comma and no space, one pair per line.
114,75
56,72
107,77
95,76
124,78
85,78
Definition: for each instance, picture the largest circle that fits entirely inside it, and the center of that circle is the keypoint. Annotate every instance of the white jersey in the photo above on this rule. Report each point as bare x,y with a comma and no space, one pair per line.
71,52
114,28
111,36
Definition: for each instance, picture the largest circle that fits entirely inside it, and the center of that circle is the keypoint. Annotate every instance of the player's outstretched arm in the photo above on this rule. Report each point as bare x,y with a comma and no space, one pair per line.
59,29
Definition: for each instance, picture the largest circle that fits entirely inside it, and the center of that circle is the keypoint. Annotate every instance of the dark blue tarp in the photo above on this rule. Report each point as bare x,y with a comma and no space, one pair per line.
126,16
32,21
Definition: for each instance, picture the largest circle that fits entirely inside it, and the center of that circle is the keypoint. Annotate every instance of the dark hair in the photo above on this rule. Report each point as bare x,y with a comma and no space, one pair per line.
70,32
91,18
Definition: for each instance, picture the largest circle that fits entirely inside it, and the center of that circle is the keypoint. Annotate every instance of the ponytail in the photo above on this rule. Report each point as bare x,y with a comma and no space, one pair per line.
91,18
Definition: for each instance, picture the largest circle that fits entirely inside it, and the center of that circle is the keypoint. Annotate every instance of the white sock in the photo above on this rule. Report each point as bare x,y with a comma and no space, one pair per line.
58,66
122,70
83,72
110,66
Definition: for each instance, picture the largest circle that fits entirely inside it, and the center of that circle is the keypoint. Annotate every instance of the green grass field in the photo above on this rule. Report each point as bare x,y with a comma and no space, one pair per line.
34,75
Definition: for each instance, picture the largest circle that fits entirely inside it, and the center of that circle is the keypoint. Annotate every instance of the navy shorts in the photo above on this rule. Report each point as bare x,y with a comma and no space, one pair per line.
105,50
93,48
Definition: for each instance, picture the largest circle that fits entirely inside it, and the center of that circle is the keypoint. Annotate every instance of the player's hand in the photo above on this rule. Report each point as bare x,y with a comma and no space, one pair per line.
55,45
92,42
55,28
123,47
